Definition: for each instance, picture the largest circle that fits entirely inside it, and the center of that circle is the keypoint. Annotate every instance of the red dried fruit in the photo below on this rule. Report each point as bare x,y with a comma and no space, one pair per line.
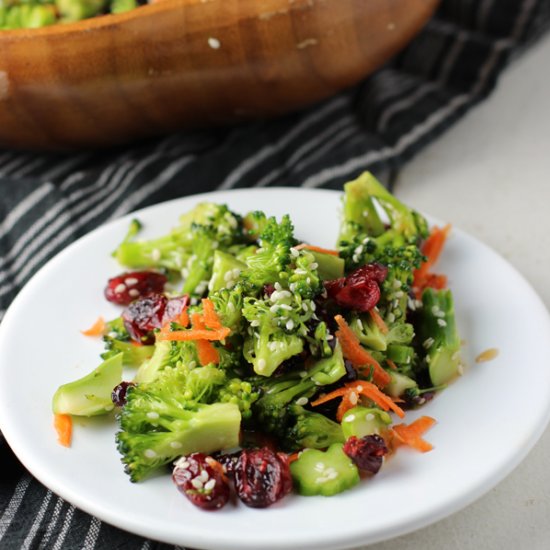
360,290
118,395
150,312
367,452
262,477
143,316
127,287
202,480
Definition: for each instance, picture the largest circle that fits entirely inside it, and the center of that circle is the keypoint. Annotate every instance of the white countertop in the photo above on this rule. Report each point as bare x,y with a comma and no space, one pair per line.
490,175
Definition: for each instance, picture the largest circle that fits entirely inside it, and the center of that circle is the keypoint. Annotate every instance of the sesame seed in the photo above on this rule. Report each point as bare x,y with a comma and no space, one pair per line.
428,343
302,373
369,417
286,307
149,453
274,308
278,286
121,287
360,324
359,388
442,322
227,276
350,418
396,283
197,483
412,305
302,401
330,337
255,323
399,294
261,364
192,364
204,477
319,467
418,303
308,280
300,271
365,213
294,253
210,484
214,43
292,287
314,265
152,415
353,398
155,254
181,462
231,307
304,306
312,305
177,445
131,281
134,292
290,324
455,356
460,369
391,317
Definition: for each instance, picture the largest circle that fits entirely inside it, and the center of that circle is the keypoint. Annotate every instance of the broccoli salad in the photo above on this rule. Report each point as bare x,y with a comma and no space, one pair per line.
261,364
32,14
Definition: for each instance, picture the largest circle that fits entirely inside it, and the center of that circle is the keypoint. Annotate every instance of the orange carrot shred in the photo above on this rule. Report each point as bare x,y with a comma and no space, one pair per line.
194,334
364,388
432,249
97,329
63,424
379,321
183,318
359,356
411,435
391,364
317,249
293,457
210,317
207,353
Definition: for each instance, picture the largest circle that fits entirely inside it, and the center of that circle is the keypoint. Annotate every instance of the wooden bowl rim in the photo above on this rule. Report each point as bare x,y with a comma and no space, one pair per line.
115,19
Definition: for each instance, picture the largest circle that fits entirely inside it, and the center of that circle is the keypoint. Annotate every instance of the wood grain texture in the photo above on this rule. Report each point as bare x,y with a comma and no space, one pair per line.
190,63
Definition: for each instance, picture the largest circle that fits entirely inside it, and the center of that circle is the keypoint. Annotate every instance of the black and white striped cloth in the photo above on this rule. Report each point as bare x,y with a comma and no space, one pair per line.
49,201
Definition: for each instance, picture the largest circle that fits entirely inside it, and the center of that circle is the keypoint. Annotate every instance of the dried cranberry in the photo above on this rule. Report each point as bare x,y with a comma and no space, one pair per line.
143,316
228,461
262,477
359,290
128,287
367,452
202,480
118,395
174,306
269,289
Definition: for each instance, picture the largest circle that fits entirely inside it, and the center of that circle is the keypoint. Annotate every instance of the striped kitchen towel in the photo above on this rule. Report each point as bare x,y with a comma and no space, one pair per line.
48,201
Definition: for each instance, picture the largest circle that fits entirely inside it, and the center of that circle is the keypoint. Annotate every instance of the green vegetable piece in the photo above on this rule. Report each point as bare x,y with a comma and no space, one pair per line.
90,395
310,430
226,270
324,473
362,421
400,354
76,10
149,370
399,384
329,266
438,335
120,6
132,355
330,369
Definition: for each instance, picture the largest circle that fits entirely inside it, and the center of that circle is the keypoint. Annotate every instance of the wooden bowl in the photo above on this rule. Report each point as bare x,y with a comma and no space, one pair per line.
189,63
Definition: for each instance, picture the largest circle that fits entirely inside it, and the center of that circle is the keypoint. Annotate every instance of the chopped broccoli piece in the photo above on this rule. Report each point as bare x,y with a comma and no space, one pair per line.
273,257
158,424
240,393
91,394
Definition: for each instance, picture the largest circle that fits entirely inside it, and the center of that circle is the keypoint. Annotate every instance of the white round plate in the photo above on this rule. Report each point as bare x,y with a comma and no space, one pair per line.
488,420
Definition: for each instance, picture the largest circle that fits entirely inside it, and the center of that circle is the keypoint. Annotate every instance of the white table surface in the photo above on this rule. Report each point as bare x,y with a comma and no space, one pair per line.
490,175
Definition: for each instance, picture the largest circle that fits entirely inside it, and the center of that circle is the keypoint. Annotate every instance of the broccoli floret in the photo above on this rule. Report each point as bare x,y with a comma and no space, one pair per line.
203,383
370,334
304,279
240,393
272,410
273,256
174,251
229,304
311,430
158,424
277,328
182,355
254,223
319,342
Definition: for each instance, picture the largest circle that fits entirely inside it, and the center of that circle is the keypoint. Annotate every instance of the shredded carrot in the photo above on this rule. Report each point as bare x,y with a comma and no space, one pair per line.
194,334
435,280
293,457
317,249
411,435
431,248
207,353
359,356
391,364
364,388
183,318
378,321
63,424
349,401
97,329
210,317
